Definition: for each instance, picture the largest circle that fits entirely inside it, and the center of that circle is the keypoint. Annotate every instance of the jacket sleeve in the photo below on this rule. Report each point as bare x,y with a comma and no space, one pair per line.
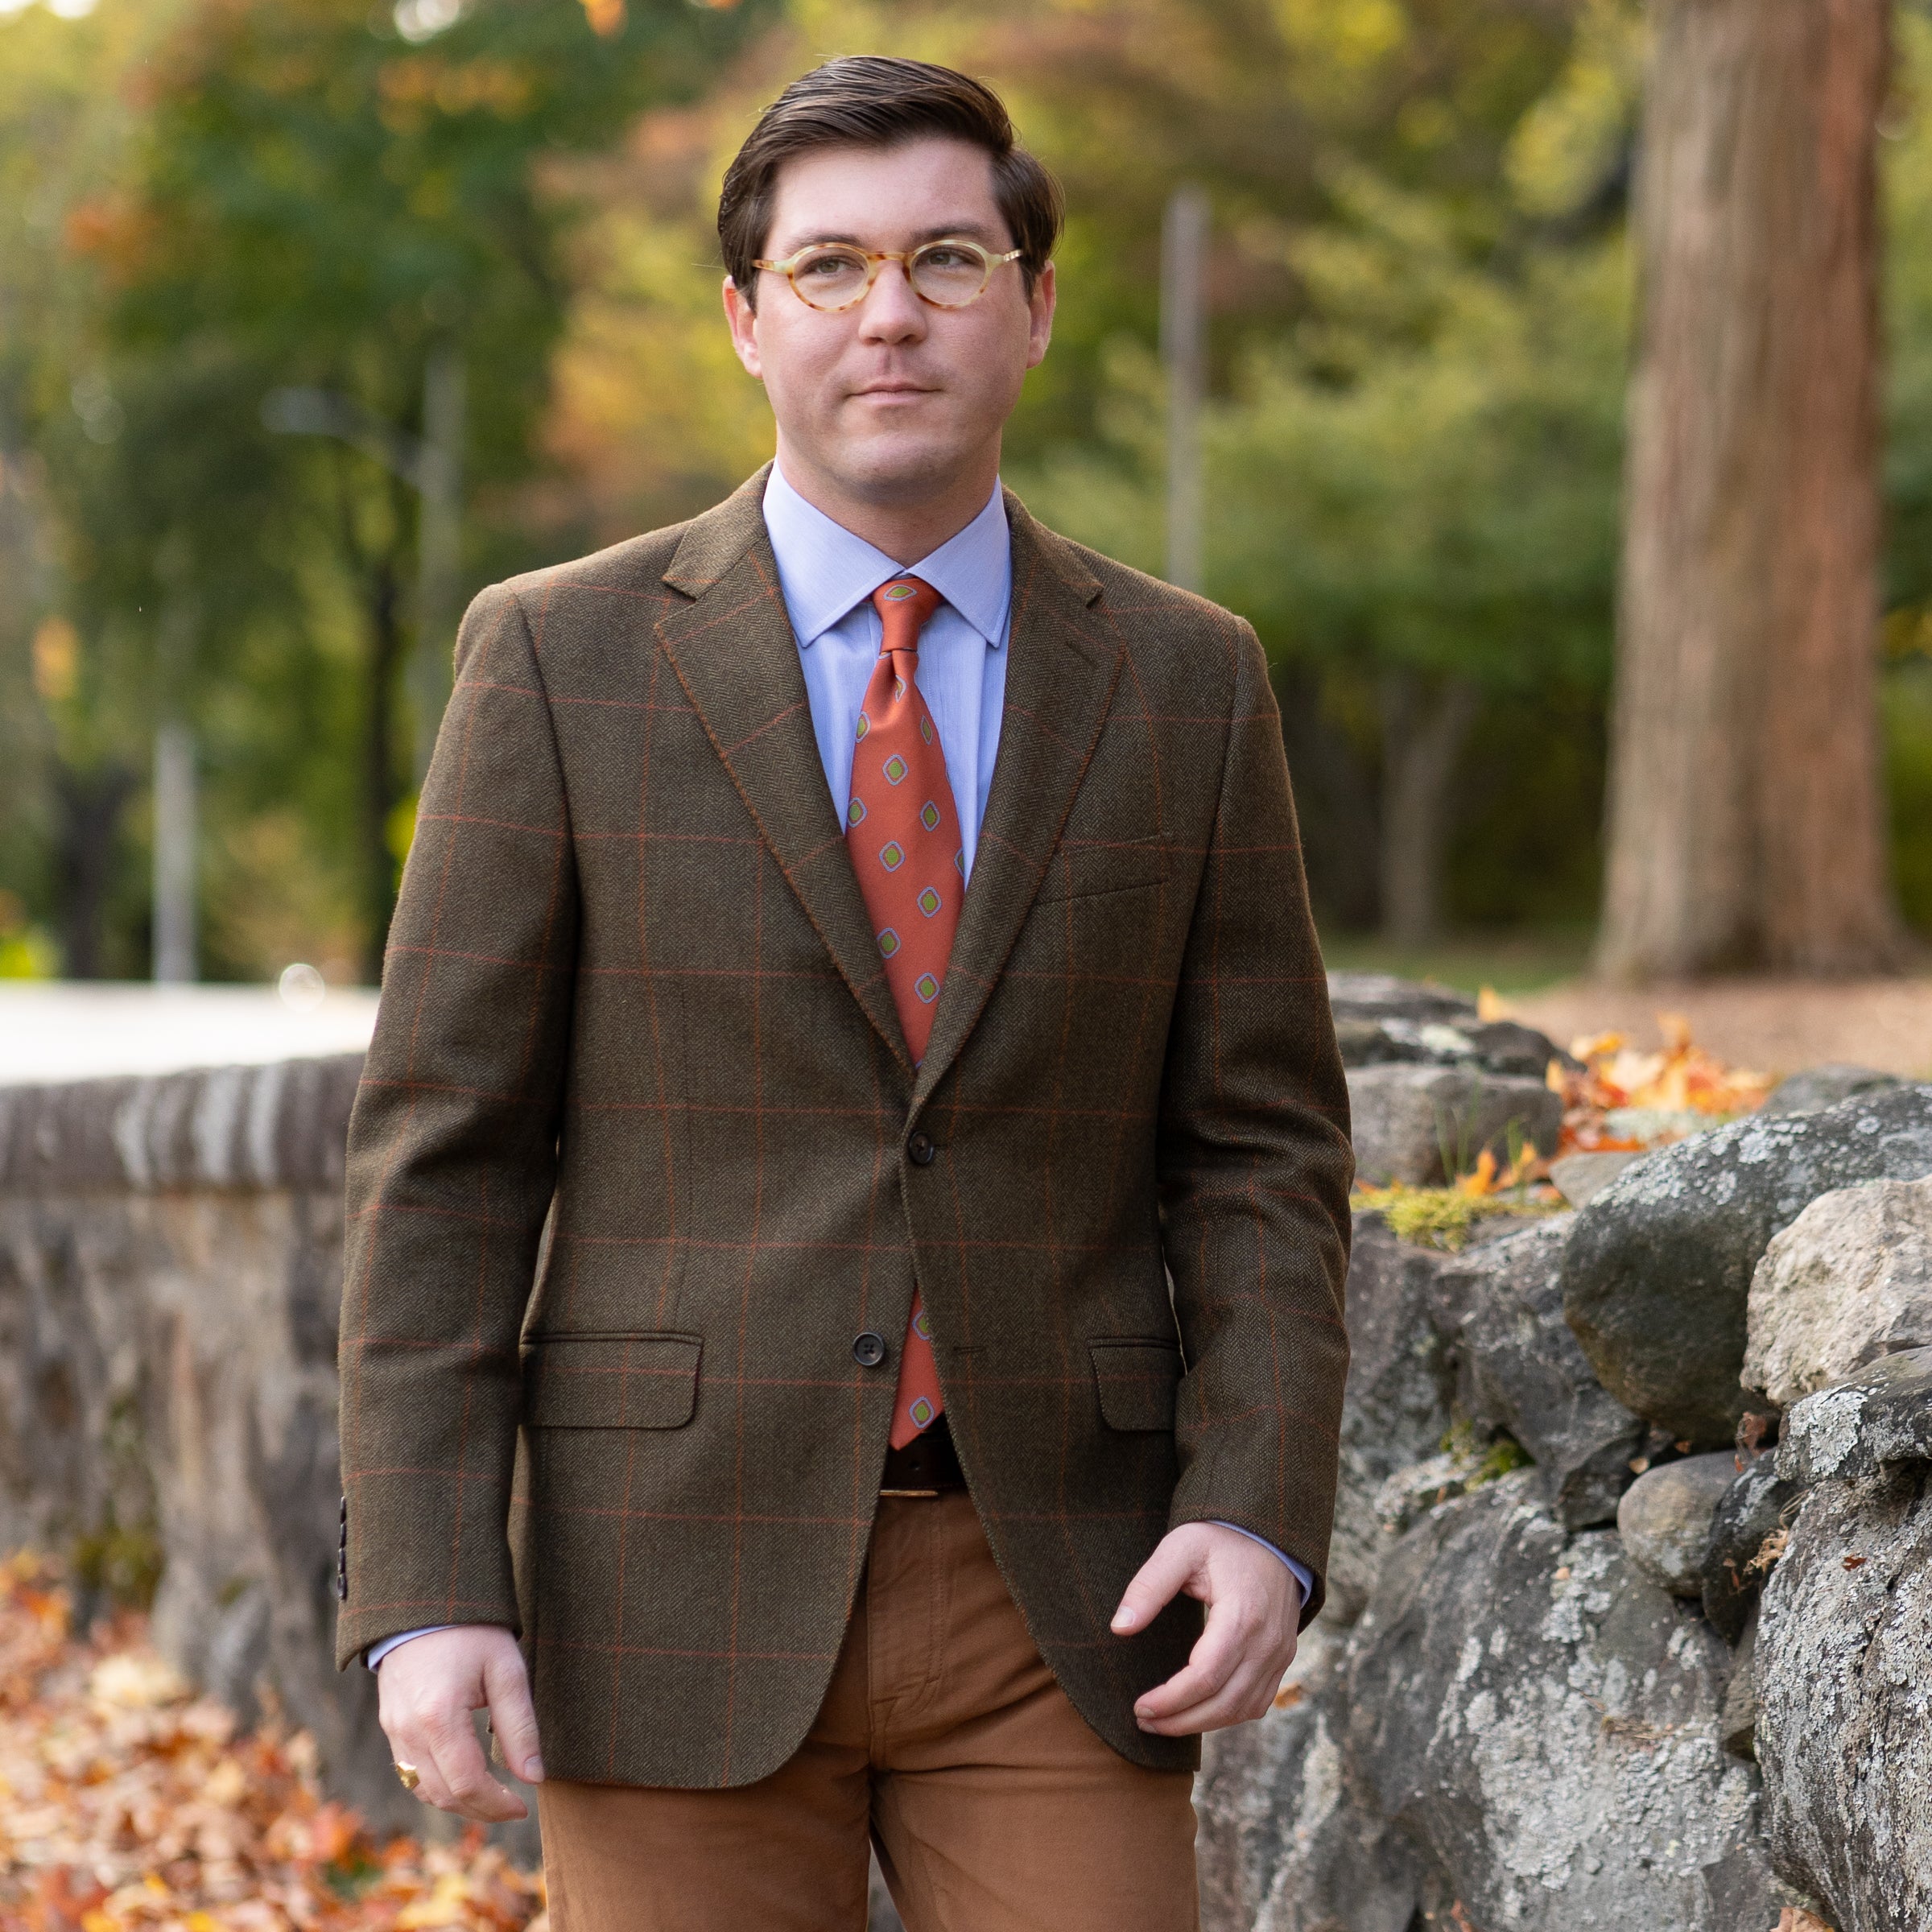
1255,1167
452,1154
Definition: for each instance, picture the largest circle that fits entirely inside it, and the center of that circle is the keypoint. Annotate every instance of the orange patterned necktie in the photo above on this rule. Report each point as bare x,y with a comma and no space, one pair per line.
903,833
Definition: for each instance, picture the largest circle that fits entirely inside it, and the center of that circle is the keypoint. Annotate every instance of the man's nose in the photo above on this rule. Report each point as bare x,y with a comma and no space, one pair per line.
891,311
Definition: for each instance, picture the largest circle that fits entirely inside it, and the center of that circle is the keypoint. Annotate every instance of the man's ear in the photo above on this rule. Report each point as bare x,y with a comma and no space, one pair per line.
741,318
1040,307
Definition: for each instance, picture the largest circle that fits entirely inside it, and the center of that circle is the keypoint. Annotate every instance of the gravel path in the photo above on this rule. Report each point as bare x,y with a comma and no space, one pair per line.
1771,1026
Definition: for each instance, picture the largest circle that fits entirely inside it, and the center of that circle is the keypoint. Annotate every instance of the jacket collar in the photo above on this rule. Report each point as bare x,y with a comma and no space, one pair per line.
732,649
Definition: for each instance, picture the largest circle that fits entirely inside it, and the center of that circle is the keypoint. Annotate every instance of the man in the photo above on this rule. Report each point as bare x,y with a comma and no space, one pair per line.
855,1125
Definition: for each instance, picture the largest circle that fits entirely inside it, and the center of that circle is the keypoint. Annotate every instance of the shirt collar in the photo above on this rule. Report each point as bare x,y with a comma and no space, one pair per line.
824,570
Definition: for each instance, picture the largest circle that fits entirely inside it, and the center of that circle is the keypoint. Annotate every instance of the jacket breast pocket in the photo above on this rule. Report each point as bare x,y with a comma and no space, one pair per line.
1138,1381
1082,869
610,1381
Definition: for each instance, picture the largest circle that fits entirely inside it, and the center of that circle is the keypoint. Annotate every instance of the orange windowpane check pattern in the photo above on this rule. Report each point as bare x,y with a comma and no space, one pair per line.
903,832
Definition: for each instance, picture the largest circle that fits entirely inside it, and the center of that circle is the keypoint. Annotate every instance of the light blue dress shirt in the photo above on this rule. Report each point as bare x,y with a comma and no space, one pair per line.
827,576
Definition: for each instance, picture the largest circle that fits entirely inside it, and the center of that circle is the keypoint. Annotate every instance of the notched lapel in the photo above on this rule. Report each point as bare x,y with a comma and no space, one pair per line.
1059,684
732,649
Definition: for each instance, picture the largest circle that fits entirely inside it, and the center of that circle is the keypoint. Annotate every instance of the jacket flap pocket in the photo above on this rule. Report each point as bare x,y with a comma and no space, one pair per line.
1084,868
1138,1381
610,1381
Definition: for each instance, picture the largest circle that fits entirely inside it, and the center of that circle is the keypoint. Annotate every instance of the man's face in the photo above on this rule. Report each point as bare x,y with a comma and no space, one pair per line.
892,396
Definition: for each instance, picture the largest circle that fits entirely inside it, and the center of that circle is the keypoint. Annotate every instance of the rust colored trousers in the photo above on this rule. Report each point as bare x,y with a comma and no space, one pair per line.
944,1740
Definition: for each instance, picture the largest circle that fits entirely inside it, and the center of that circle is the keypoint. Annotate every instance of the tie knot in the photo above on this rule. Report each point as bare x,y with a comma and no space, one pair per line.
903,605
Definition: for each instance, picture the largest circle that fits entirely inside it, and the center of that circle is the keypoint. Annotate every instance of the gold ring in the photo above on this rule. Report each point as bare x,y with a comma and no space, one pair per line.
410,1776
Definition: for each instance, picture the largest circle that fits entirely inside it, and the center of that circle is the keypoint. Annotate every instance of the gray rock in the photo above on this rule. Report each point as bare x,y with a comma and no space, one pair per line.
1520,1370
1416,1123
1818,1087
171,1262
1380,996
882,1915
1666,1516
1881,1417
1285,1844
1657,1271
1543,1721
1494,1045
1397,1405
1737,1721
1580,1177
1746,1532
1844,1677
1850,1280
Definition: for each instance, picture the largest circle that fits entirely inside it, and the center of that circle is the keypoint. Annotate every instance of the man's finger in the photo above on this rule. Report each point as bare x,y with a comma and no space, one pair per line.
1218,1652
512,1715
406,1748
1176,1562
458,1758
1247,1694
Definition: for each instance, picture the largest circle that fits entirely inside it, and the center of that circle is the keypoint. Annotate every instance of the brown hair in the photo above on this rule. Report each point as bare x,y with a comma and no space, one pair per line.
870,100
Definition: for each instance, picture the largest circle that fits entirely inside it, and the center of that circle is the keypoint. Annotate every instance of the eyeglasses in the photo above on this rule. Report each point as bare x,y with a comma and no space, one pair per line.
831,276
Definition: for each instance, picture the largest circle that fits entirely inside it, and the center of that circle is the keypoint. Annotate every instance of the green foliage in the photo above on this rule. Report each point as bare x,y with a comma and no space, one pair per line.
220,198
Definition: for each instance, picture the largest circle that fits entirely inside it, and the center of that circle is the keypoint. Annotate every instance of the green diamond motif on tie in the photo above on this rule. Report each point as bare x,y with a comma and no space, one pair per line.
929,816
892,855
926,987
895,770
854,812
929,902
888,943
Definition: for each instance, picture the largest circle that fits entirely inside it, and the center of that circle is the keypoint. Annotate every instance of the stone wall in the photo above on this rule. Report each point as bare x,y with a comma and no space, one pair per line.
170,1267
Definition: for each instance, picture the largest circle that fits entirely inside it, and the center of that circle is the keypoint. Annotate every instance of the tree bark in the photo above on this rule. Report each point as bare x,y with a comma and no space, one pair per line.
1746,820
382,786
91,803
1423,732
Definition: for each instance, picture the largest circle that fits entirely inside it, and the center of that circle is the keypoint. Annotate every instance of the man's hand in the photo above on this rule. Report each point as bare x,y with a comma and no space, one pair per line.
1253,1605
428,1687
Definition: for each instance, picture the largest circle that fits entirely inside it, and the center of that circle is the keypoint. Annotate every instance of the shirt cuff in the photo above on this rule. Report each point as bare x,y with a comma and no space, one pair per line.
376,1653
1302,1575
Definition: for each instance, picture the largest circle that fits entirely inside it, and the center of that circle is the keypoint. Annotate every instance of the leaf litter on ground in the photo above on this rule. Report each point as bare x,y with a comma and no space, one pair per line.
1616,1099
127,1801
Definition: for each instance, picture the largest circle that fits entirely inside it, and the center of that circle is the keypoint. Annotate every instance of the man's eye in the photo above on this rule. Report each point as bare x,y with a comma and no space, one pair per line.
948,258
827,265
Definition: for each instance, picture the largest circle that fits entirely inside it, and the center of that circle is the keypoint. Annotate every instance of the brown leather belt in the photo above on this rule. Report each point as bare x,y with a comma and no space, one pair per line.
927,1465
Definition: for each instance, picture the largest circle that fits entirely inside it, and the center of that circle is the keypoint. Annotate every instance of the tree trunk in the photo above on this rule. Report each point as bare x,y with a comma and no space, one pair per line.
1746,822
381,790
91,805
1335,803
1423,734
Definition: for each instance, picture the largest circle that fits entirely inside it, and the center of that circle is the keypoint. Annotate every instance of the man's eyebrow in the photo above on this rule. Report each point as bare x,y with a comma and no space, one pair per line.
967,230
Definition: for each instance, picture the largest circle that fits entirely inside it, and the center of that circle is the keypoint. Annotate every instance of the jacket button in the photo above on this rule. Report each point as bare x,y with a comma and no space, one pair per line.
922,1150
869,1350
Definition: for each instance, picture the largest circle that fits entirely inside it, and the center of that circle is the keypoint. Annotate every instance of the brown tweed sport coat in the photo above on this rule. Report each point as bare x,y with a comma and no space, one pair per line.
638,1153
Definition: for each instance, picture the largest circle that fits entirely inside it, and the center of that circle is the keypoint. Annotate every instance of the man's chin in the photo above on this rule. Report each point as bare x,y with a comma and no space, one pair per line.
896,468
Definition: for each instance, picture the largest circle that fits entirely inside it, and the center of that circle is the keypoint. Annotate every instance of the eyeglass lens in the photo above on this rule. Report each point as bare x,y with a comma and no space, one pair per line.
943,273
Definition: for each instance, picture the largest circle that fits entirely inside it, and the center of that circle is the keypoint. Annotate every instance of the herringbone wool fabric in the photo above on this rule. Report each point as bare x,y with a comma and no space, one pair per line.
903,835
630,1168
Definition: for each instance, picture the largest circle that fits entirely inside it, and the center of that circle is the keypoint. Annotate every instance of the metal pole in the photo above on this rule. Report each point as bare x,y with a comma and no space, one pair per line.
174,833
1183,350
439,546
